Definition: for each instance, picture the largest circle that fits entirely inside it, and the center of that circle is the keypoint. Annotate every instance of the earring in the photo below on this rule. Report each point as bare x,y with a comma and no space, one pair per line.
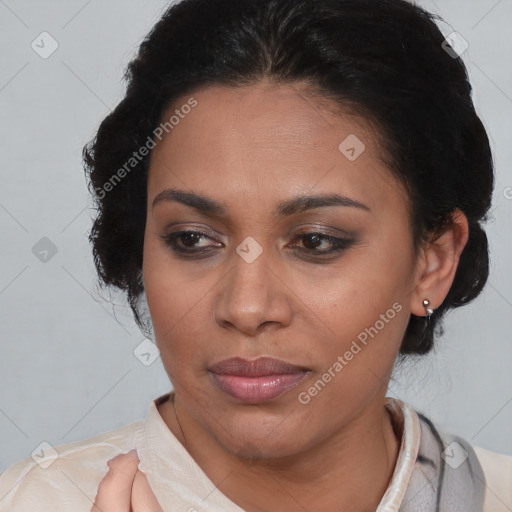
426,303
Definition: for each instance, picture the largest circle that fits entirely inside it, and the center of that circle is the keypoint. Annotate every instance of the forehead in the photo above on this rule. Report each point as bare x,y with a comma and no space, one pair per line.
275,117
257,141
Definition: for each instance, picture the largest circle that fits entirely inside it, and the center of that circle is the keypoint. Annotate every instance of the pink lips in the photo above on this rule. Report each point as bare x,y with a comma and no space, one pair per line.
258,380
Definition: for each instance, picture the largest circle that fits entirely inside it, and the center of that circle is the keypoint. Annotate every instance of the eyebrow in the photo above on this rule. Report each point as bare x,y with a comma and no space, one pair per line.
213,208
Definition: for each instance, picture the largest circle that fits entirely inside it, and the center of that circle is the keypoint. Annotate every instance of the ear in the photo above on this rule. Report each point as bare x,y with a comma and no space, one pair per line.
437,264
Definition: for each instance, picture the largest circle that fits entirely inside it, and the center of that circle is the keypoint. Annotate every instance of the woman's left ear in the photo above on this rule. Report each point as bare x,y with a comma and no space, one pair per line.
437,265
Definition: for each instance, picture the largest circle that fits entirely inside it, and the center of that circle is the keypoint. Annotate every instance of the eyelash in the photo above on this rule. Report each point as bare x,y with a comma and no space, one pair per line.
339,244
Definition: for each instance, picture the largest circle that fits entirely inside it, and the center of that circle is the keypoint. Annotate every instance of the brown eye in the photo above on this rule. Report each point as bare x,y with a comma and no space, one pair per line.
186,241
191,238
312,241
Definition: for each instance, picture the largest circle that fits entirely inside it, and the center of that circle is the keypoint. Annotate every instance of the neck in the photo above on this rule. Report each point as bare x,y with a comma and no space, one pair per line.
349,470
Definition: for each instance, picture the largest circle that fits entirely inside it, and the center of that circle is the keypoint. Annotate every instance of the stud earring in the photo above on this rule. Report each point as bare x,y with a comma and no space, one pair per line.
426,304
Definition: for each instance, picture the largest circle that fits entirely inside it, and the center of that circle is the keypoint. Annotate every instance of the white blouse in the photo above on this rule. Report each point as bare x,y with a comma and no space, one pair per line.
66,477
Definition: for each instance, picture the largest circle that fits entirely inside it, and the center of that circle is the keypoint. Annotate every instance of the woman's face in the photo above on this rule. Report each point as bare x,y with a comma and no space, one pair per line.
337,307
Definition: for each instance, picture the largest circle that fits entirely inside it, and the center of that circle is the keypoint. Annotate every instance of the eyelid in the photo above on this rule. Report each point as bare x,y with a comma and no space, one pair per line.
182,226
327,230
322,229
294,232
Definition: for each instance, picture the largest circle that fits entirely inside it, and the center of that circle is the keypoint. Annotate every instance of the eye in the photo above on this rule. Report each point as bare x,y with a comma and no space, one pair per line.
313,240
186,241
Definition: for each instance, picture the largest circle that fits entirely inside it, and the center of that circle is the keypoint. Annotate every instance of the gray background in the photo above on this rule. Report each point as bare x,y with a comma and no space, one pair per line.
67,365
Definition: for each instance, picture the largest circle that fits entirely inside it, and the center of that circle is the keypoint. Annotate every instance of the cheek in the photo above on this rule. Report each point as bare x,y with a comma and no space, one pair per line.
177,323
177,301
366,332
170,293
359,358
363,304
175,307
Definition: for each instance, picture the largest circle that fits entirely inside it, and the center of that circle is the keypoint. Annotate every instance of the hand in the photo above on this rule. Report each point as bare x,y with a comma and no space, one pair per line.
125,488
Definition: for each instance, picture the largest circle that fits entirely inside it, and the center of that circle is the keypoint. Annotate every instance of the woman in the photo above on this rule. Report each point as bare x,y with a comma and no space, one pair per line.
290,194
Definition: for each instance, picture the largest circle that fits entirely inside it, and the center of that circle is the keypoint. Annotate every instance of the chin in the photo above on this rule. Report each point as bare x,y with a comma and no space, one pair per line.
260,439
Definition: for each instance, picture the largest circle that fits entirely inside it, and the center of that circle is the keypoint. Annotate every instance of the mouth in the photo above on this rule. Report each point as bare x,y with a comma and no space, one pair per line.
256,381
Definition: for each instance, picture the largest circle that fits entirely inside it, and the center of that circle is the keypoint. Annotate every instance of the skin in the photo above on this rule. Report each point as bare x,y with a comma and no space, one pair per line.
252,148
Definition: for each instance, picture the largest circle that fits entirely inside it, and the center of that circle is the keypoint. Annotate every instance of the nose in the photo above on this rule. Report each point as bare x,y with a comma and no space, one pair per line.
252,297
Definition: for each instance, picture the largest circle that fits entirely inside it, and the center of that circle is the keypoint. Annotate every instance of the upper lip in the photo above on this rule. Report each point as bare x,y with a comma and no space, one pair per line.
255,368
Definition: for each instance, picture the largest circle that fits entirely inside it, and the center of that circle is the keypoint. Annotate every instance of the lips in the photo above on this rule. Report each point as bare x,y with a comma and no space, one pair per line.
258,380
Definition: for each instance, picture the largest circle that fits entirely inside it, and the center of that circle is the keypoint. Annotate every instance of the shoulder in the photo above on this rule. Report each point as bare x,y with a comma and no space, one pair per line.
497,468
488,474
56,477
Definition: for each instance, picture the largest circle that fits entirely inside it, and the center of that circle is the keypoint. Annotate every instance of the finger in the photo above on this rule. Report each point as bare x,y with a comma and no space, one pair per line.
114,491
143,499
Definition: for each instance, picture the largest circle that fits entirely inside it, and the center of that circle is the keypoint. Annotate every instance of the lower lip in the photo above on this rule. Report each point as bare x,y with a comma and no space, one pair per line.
257,389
